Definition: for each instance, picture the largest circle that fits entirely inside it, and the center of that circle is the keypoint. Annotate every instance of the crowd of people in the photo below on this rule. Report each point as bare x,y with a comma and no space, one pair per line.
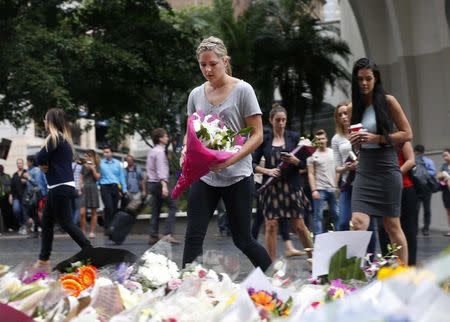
350,177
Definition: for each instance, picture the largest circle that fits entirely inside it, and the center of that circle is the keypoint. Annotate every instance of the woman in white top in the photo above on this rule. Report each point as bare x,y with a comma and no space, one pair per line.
342,149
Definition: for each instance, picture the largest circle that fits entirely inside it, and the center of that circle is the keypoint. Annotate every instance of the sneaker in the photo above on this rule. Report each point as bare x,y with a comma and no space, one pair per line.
23,230
425,232
91,235
170,239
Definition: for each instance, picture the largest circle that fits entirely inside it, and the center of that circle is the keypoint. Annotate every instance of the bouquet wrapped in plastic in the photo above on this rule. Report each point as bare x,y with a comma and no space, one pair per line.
209,142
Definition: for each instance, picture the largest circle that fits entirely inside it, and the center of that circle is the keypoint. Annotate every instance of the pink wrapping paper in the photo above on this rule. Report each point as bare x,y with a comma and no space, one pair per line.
198,159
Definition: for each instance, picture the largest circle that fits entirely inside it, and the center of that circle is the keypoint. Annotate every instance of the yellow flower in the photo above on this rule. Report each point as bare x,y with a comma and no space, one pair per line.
388,272
338,294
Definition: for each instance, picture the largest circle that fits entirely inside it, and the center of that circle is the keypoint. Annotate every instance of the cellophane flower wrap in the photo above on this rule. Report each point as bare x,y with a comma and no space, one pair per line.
209,142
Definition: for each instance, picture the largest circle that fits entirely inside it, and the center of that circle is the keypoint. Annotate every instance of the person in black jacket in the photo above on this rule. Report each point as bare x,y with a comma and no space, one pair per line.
55,158
283,200
18,186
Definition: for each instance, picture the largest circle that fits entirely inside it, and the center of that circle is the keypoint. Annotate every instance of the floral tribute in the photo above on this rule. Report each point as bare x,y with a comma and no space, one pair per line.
209,142
269,305
156,270
83,278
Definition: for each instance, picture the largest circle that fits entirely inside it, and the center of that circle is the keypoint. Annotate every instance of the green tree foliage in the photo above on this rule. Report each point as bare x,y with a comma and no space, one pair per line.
275,44
133,62
118,59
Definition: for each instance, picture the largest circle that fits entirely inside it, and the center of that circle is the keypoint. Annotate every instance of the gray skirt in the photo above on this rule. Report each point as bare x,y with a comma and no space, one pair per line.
89,196
377,189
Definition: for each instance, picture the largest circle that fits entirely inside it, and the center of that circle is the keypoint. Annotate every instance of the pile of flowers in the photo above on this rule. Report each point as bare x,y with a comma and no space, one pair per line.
269,305
156,270
82,279
199,293
338,290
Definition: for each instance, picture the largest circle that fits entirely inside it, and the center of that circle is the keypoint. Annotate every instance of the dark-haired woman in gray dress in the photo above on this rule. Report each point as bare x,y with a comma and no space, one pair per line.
377,188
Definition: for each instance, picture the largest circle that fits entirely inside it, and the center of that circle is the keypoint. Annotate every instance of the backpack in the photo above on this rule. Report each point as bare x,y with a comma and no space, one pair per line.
422,180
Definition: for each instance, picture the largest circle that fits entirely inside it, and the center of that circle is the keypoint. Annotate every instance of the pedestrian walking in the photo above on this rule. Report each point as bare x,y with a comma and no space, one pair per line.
55,157
18,186
36,189
158,186
112,186
135,179
322,180
284,200
409,217
378,181
235,102
425,196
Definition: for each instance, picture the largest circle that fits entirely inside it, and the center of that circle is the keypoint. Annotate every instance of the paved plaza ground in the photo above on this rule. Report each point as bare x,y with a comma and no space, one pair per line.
15,248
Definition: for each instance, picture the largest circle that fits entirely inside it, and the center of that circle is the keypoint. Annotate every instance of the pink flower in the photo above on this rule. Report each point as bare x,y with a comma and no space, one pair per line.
201,273
239,140
174,284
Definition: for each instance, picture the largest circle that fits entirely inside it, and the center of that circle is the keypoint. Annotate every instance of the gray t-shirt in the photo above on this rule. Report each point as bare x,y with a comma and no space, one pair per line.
369,122
324,169
239,104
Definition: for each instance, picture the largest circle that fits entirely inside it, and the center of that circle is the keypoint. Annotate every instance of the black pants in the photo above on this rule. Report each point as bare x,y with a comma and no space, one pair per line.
425,198
7,215
155,188
110,198
59,207
32,212
203,201
409,219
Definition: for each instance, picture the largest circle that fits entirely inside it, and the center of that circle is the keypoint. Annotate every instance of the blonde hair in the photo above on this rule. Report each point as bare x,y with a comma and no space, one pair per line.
57,124
217,46
339,127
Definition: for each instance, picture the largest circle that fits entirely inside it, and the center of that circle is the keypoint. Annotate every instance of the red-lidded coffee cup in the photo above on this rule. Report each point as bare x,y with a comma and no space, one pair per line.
355,127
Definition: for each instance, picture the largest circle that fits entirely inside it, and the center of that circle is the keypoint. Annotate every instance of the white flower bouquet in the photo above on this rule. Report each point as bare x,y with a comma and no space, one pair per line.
156,270
209,142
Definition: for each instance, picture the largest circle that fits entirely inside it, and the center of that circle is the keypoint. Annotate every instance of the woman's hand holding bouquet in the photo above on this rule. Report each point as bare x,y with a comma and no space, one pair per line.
210,146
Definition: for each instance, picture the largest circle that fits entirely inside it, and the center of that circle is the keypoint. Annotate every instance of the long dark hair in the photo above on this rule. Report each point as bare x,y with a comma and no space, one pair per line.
384,121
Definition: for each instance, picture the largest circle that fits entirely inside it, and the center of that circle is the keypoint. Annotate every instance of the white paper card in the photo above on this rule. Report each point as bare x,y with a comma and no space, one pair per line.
326,245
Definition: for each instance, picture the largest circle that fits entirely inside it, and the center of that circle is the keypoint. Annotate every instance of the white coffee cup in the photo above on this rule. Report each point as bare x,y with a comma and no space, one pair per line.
355,127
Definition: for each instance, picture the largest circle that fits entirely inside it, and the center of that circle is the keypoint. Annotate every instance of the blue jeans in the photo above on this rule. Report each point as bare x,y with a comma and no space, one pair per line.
19,212
345,209
330,198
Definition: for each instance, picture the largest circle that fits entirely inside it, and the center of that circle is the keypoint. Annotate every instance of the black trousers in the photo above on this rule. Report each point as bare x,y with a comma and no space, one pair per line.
409,219
59,208
110,198
237,198
425,198
155,188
